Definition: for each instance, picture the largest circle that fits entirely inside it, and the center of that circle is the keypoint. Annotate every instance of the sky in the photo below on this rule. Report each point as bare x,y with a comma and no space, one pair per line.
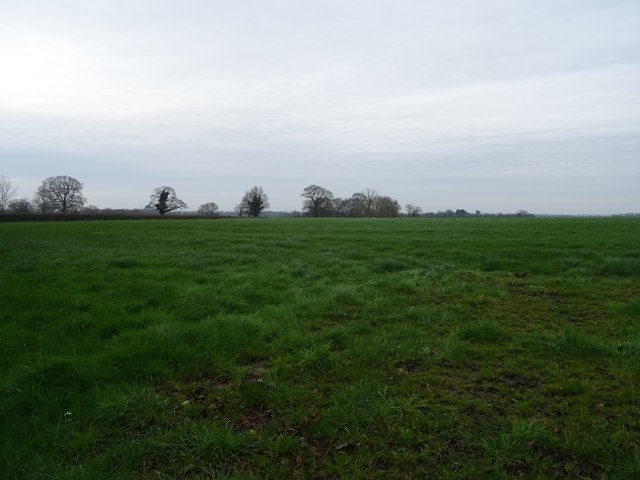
497,106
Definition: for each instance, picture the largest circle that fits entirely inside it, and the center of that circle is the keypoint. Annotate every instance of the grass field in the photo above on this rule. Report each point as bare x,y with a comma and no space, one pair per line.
303,348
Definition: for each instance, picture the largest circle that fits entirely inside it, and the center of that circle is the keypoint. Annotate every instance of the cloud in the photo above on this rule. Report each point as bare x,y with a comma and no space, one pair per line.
353,94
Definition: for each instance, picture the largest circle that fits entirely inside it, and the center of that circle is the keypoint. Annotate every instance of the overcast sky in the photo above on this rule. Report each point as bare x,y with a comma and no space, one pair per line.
495,105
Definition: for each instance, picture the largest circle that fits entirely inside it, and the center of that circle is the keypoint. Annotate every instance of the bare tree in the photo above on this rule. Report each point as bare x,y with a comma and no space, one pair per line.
61,193
253,202
164,200
208,209
7,193
358,204
318,201
20,205
40,201
342,207
370,199
240,208
387,207
413,210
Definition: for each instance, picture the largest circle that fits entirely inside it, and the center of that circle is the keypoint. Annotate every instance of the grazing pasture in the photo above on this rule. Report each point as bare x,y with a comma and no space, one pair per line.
320,348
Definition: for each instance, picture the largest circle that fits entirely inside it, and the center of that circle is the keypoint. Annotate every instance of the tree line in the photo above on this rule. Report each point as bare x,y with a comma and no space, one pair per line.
56,194
320,202
63,194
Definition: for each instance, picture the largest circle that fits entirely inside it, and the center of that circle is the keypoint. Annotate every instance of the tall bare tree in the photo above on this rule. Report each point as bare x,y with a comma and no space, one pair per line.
164,200
318,201
358,205
208,209
387,207
370,198
40,201
240,208
61,193
413,210
7,193
253,202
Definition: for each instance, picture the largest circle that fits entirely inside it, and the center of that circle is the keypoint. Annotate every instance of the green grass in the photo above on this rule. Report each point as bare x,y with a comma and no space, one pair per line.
320,348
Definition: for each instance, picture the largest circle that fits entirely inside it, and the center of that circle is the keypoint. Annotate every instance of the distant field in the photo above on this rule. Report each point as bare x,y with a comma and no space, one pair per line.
320,348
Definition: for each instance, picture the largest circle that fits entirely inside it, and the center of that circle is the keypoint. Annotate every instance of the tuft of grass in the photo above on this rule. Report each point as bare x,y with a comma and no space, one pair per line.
573,342
388,265
628,468
511,447
482,332
632,308
622,267
317,358
123,262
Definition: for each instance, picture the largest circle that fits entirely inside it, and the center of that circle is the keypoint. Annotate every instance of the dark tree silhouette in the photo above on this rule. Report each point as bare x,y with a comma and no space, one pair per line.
318,201
208,209
253,202
61,193
164,200
363,204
